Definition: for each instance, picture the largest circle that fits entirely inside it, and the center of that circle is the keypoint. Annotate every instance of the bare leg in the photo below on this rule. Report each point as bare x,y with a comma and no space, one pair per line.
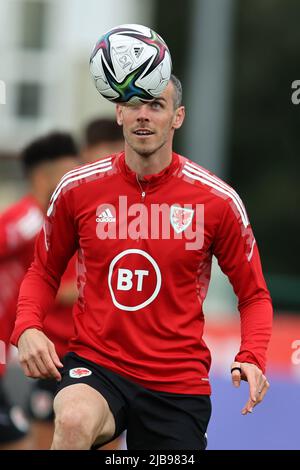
82,415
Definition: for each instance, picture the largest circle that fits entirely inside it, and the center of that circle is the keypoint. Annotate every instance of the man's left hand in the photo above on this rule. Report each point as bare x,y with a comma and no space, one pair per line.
258,383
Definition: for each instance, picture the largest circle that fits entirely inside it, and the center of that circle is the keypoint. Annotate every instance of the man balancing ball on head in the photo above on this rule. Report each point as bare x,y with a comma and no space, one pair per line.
138,360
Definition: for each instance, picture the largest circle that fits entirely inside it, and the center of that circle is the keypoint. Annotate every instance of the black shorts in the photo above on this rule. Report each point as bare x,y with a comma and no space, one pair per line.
40,402
154,420
13,423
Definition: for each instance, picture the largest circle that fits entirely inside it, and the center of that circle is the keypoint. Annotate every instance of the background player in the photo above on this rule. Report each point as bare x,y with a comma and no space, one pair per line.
102,137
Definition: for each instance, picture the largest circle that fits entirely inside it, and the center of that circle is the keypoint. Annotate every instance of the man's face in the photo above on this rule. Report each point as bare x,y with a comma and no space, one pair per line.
150,126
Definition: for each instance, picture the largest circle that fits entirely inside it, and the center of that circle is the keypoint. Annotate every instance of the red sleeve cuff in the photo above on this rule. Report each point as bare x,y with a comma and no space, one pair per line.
20,329
247,356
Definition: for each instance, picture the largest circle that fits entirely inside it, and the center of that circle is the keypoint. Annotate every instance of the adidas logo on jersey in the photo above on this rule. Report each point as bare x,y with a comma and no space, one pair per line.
106,216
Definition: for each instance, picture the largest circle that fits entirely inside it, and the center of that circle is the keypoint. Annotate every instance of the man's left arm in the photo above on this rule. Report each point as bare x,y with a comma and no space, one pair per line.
237,253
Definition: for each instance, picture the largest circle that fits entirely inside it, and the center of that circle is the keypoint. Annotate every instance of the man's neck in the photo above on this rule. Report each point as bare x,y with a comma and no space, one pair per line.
148,165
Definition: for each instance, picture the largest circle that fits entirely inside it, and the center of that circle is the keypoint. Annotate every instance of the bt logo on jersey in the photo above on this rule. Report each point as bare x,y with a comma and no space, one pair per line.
143,281
125,279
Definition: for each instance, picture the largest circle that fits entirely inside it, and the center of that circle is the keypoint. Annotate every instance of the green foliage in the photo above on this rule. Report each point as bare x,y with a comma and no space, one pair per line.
265,137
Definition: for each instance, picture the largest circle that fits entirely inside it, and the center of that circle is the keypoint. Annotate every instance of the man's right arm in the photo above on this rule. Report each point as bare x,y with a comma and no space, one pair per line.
55,245
37,355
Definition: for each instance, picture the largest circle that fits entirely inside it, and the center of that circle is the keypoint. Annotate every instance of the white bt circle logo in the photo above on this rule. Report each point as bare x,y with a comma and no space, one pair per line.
142,282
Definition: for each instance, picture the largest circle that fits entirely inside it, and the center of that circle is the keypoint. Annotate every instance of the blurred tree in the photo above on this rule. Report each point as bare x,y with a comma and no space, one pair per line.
172,22
265,138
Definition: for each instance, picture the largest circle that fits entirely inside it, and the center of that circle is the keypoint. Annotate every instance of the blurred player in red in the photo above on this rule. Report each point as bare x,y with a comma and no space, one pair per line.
145,223
102,137
44,162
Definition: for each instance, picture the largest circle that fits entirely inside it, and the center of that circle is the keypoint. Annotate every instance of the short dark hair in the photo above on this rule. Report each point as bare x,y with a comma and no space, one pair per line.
102,130
178,91
46,149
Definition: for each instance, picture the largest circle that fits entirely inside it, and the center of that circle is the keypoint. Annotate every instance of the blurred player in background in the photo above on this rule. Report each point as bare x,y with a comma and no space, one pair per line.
44,162
102,137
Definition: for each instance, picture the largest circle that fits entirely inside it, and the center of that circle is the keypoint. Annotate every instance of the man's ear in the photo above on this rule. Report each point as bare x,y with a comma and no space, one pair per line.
179,117
119,114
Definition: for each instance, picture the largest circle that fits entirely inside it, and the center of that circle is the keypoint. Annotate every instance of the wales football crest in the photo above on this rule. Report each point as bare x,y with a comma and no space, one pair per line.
181,218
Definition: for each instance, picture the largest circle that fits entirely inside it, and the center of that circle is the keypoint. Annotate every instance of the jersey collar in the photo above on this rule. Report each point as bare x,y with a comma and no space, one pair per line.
152,180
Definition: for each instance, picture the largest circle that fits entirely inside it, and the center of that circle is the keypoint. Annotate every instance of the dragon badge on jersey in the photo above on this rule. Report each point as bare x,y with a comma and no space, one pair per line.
181,218
79,372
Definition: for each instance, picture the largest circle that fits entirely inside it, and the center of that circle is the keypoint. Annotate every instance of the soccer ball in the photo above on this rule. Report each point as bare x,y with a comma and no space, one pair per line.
130,64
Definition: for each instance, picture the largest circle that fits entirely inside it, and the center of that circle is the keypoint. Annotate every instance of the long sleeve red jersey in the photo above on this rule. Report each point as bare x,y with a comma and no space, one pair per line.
144,251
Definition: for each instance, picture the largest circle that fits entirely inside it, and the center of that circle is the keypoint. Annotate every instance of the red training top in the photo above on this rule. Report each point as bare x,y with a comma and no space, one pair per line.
144,252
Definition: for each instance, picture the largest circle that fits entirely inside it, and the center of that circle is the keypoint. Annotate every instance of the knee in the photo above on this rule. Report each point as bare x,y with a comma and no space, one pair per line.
73,430
79,421
70,420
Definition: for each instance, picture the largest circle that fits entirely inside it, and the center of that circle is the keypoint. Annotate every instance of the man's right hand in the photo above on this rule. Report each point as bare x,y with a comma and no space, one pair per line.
37,355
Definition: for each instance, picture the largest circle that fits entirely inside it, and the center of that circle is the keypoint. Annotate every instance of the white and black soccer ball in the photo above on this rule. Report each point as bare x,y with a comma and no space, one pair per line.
130,64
